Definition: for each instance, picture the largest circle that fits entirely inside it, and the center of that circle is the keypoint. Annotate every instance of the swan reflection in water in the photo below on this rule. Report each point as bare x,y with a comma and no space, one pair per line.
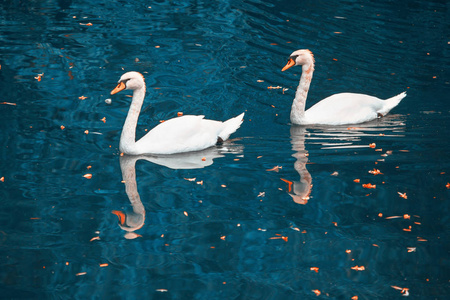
130,221
333,137
299,190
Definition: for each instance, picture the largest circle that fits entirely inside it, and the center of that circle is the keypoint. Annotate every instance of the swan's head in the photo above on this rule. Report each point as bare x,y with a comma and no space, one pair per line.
129,81
299,58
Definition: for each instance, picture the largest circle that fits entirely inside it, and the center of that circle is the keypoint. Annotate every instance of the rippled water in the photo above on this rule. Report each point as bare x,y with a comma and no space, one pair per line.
263,211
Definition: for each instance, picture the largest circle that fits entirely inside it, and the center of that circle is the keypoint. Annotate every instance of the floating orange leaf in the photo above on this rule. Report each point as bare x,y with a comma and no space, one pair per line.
203,158
179,114
447,185
406,217
274,87
355,298
2,179
393,217
403,195
380,215
357,180
369,186
375,172
80,274
190,179
103,265
185,213
334,223
82,97
9,103
358,268
86,131
62,127
372,145
317,292
103,119
223,237
95,238
407,229
315,269
411,249
276,168
88,176
348,251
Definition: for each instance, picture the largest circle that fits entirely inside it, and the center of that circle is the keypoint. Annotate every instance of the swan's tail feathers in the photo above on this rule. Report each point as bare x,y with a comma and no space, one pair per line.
391,103
231,126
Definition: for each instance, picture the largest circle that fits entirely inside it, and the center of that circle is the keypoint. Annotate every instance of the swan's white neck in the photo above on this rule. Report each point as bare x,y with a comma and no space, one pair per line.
128,137
298,106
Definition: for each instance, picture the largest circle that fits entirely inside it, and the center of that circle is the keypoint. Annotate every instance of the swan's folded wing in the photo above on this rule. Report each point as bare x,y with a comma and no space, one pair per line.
182,134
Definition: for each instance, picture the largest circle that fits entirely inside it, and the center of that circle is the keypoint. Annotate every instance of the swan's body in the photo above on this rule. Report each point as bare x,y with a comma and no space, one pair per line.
178,135
344,108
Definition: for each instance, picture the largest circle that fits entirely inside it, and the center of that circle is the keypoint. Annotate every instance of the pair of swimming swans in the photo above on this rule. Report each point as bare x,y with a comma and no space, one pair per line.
193,133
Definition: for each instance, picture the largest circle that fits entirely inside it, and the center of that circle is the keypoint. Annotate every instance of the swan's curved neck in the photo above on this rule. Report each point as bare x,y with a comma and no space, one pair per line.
128,137
298,106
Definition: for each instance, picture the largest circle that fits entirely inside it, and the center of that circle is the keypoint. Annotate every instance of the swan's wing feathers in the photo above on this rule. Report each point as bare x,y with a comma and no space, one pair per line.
182,134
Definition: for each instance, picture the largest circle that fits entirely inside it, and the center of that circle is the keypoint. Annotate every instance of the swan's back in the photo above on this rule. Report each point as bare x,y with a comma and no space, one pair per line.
349,108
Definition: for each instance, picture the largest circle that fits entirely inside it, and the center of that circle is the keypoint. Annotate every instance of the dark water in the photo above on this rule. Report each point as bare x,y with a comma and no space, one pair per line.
238,230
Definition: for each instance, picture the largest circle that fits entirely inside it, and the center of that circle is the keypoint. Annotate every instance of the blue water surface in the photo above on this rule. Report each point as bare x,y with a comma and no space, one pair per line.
277,212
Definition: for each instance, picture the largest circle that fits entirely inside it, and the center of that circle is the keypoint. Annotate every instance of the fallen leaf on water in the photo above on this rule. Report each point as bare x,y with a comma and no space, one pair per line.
274,87
317,292
375,172
95,238
185,213
380,215
80,274
354,298
190,179
358,268
406,217
62,127
103,119
161,290
334,223
200,182
407,229
276,168
335,173
357,180
2,179
369,186
261,194
179,114
86,131
103,265
447,185
223,237
403,195
372,145
393,217
8,103
82,97
411,249
348,251
315,269
88,176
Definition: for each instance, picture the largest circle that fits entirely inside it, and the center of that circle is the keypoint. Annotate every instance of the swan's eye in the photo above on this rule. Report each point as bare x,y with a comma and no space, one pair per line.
294,57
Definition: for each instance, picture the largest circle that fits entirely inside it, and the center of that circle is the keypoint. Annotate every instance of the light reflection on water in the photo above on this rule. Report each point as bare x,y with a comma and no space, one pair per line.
244,232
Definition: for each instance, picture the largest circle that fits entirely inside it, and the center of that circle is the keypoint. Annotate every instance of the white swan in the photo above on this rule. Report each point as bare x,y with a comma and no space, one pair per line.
343,108
177,135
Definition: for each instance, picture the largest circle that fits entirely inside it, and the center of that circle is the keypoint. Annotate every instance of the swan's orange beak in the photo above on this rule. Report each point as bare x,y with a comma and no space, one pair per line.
120,215
289,64
120,87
